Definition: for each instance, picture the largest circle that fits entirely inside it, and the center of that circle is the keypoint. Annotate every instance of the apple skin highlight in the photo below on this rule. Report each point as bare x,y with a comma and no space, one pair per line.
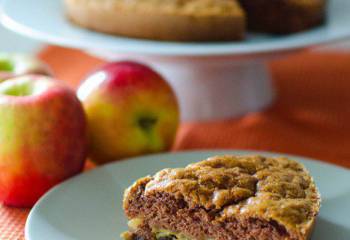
42,139
131,110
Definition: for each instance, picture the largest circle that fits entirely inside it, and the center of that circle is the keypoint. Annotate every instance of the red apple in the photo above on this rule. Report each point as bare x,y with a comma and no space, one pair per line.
42,137
14,65
131,110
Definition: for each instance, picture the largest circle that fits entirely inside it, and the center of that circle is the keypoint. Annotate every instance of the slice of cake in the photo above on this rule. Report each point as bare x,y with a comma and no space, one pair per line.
284,16
175,20
224,198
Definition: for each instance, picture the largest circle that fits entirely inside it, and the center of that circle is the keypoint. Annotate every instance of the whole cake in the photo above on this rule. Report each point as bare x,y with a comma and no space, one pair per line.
195,20
178,20
224,198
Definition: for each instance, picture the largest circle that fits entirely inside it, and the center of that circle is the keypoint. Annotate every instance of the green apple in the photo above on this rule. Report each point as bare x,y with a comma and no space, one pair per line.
131,110
42,137
15,64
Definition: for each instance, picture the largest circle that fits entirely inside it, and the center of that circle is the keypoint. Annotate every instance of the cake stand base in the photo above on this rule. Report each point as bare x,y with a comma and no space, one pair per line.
211,89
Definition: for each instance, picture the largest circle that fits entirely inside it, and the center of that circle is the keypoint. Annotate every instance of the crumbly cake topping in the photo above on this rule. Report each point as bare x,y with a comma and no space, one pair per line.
273,188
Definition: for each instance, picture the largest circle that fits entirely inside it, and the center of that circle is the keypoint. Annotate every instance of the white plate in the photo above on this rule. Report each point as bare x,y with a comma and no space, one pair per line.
89,206
45,20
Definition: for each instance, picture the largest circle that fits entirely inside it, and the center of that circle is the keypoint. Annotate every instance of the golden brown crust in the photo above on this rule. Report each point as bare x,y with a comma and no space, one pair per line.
178,20
271,189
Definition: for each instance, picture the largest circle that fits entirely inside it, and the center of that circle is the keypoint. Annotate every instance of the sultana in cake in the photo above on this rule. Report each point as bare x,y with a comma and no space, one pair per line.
224,198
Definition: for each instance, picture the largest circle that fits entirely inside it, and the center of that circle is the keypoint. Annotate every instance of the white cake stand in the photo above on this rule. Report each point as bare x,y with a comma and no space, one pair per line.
212,80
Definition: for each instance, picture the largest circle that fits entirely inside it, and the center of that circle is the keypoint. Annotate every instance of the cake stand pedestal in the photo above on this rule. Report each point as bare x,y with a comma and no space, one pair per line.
212,88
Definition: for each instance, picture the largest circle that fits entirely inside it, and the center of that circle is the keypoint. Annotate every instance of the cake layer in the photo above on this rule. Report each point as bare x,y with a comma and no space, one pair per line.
163,215
225,197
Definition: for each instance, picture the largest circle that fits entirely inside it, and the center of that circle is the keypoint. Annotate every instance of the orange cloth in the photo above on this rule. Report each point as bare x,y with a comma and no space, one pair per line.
310,117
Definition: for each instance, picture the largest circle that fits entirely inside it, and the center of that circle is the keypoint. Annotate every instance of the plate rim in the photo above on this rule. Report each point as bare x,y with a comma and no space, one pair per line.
174,49
182,152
